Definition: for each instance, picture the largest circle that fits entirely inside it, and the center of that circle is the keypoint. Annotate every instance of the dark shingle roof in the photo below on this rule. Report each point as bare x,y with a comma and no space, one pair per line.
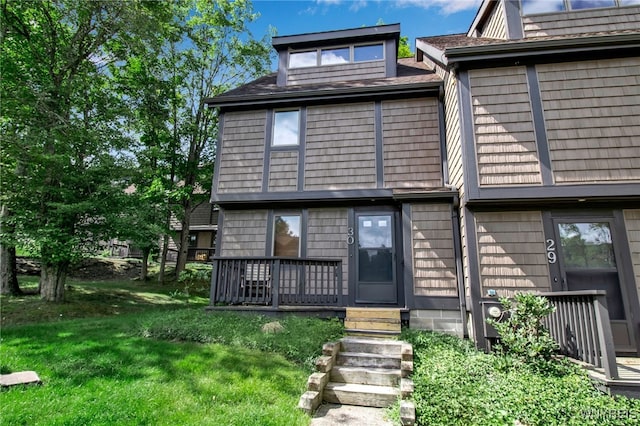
409,72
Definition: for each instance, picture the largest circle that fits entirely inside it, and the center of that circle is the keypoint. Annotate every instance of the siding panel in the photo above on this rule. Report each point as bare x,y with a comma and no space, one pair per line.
242,152
244,233
340,147
582,21
495,26
434,264
505,140
410,132
511,252
591,113
283,171
326,238
333,73
632,224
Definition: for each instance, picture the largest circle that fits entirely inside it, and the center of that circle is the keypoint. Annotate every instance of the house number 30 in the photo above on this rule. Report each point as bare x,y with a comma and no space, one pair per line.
552,257
350,239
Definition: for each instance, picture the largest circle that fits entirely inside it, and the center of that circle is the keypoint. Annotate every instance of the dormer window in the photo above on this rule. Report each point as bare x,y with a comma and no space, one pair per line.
337,55
286,128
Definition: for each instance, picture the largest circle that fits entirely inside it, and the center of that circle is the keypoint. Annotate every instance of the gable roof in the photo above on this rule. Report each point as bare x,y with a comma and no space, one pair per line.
411,75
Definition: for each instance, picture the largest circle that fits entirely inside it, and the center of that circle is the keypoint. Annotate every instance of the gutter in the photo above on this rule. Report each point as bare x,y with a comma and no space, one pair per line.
541,47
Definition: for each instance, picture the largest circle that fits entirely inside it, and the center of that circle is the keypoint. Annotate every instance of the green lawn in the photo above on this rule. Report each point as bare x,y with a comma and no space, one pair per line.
142,362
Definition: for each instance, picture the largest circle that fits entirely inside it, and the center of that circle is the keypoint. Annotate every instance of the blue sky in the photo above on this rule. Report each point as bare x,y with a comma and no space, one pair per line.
417,18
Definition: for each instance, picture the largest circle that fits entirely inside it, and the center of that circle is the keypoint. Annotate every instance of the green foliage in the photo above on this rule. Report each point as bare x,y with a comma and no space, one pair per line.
458,385
404,50
300,341
96,372
522,333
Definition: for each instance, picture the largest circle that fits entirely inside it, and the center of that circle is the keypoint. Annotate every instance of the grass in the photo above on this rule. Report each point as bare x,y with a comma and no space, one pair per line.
458,385
141,354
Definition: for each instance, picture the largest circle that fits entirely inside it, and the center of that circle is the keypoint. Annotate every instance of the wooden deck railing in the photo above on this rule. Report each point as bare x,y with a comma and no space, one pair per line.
276,281
580,325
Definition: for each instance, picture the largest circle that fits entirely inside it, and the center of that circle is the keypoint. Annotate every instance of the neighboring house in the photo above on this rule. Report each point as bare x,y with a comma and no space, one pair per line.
543,133
202,233
505,159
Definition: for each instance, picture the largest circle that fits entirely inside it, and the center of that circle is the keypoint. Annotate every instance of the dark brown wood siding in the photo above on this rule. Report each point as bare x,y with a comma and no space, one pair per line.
340,147
592,111
434,264
242,152
411,141
511,252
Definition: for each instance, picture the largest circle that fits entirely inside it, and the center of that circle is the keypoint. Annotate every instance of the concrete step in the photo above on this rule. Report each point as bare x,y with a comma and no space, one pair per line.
366,376
368,360
373,346
357,394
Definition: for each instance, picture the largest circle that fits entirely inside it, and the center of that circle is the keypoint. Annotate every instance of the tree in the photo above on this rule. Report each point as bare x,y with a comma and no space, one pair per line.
60,121
404,50
218,53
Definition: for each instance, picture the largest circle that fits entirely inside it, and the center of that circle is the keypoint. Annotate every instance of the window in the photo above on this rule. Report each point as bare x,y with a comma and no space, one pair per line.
590,4
303,59
286,235
286,128
537,6
193,239
373,52
335,56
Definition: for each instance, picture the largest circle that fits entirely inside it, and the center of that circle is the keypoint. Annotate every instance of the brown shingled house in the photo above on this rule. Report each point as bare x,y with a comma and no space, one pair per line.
501,160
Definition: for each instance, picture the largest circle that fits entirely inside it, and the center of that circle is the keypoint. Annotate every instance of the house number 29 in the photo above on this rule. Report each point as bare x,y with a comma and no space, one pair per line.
350,239
552,257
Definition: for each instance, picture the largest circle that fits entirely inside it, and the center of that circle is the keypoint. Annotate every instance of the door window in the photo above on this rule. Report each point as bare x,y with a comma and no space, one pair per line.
375,245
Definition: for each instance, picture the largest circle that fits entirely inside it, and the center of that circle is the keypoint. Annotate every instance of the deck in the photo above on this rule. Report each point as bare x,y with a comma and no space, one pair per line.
627,383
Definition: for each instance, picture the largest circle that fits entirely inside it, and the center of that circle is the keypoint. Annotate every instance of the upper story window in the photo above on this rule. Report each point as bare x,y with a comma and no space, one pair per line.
337,55
372,52
286,128
538,6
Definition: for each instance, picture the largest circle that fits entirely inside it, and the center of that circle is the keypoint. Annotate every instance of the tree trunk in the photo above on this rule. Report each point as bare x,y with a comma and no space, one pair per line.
181,263
163,258
52,280
8,270
144,271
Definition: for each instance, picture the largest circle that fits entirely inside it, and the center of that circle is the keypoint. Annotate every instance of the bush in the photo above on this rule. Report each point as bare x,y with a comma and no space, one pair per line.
522,333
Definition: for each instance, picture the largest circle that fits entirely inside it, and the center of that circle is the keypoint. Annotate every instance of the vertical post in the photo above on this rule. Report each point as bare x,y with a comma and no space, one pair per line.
214,283
338,272
275,284
605,336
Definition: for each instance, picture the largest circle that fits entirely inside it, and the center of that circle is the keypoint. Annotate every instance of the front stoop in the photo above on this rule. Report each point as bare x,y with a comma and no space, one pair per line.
366,372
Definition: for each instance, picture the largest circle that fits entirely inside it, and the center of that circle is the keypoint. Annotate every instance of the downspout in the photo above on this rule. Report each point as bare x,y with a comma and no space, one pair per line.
455,217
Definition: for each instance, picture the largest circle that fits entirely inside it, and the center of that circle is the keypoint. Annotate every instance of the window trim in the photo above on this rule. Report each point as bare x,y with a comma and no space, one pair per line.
272,143
277,214
351,48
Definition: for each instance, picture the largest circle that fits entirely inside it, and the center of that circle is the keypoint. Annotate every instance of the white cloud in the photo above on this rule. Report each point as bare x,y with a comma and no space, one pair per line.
444,7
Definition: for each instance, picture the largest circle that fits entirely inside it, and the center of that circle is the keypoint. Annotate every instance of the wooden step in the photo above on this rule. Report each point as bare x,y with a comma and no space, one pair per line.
373,324
372,334
373,313
357,394
366,376
367,360
382,347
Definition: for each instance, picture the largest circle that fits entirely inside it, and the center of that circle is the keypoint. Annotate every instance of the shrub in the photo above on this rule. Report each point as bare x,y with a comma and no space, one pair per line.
522,333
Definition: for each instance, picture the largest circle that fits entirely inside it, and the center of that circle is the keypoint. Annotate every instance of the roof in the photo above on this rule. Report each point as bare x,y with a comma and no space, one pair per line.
459,47
353,35
410,74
